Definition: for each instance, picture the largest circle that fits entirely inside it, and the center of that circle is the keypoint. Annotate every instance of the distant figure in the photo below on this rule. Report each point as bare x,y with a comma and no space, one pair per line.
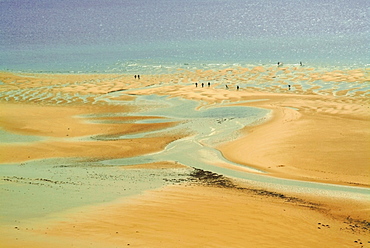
237,87
209,84
196,84
301,63
202,85
138,76
289,86
135,76
280,64
227,87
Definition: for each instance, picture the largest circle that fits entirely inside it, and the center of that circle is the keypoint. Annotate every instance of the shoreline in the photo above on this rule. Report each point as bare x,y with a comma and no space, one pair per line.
166,67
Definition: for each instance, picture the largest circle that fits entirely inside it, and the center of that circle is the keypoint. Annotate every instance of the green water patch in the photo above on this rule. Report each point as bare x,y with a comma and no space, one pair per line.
10,137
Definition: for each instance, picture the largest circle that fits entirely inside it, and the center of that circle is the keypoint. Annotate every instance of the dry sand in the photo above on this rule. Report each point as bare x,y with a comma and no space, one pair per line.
318,131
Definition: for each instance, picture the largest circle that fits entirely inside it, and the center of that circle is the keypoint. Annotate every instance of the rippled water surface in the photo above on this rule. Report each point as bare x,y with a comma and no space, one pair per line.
125,36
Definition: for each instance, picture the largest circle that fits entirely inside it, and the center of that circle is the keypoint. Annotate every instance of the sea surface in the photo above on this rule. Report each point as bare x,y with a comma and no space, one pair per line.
125,36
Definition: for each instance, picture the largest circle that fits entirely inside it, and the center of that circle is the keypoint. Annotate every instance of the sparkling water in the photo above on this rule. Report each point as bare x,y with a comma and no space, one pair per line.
160,35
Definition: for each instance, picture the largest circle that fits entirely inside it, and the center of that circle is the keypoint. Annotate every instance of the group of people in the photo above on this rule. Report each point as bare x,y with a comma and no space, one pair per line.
227,87
209,84
137,76
237,87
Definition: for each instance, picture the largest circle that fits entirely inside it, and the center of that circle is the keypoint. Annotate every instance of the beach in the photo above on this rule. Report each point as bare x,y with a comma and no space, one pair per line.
278,158
176,123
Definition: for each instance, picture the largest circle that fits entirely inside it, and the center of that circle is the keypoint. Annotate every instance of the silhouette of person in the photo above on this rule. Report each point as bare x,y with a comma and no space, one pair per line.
227,87
135,76
237,87
138,76
196,84
202,85
209,84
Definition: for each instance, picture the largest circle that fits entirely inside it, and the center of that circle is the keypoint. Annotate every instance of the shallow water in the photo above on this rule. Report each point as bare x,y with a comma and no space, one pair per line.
212,124
211,127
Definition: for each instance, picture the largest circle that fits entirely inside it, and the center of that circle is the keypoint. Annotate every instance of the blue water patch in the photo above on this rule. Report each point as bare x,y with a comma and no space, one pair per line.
92,36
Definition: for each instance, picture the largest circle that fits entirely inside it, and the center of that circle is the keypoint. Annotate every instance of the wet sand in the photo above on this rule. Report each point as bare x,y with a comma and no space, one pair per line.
198,216
310,138
318,131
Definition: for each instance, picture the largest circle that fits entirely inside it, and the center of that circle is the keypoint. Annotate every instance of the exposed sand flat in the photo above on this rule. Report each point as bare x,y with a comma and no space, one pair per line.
300,142
318,131
59,128
197,216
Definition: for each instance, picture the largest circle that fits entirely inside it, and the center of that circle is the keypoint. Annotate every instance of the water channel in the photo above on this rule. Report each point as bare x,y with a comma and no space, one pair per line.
211,126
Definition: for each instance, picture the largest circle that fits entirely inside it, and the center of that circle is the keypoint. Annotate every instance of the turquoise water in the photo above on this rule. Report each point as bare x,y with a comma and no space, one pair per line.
145,36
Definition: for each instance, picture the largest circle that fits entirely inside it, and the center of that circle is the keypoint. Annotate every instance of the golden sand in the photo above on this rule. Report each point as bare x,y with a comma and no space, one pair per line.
326,139
316,133
197,216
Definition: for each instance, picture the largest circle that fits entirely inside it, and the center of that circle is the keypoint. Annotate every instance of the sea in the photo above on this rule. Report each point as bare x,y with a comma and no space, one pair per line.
160,36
